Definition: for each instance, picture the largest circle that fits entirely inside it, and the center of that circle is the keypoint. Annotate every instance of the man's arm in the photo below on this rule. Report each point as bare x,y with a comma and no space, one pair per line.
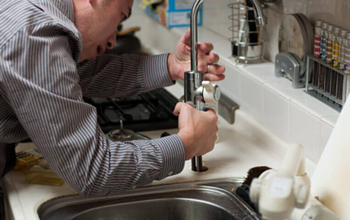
42,86
125,75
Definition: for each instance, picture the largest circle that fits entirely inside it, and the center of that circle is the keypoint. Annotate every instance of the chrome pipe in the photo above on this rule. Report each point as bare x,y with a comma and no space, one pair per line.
193,79
194,35
260,18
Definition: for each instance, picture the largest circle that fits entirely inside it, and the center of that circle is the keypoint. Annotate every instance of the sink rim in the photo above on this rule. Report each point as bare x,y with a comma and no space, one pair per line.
152,193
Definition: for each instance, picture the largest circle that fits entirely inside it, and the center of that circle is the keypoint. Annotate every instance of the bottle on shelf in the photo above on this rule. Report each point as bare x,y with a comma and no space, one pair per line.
324,41
347,54
317,41
335,46
342,44
329,40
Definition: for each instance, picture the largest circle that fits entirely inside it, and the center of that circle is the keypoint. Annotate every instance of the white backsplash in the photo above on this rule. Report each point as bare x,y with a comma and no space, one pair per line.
336,12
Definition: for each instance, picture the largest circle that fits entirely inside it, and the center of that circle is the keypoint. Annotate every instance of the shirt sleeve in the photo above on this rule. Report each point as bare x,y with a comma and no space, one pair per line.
123,75
41,83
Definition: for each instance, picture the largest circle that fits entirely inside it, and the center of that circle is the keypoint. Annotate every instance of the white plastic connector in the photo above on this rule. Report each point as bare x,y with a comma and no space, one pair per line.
279,192
254,191
211,92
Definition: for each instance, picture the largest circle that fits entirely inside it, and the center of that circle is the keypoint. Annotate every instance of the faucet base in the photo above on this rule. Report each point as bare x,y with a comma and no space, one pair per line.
197,165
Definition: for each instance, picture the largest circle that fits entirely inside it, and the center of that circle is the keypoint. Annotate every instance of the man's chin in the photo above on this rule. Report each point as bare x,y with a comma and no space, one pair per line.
82,59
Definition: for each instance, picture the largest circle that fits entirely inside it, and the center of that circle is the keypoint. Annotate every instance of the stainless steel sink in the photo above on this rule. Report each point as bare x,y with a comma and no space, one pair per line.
211,199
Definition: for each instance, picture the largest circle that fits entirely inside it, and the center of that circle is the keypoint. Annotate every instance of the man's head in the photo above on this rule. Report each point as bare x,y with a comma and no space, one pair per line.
97,21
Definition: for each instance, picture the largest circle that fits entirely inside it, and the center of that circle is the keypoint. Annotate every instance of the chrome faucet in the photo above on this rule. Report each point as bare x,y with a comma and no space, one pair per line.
247,39
260,17
198,93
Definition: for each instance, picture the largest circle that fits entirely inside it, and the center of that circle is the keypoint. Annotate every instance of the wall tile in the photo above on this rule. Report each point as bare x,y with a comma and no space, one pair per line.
305,130
315,106
326,131
330,120
276,113
215,17
284,87
288,6
231,85
262,72
252,97
301,6
329,12
315,10
342,11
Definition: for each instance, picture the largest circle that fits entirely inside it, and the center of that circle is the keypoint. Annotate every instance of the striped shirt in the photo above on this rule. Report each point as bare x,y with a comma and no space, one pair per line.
41,97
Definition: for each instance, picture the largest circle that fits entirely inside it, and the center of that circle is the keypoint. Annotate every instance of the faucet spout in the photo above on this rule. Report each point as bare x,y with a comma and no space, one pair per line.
193,78
194,35
260,17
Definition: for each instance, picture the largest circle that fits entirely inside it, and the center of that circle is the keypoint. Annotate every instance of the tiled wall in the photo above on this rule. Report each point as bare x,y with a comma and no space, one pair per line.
335,12
290,113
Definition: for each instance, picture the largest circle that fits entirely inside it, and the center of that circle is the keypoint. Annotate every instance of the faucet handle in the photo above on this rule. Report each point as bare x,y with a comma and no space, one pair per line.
211,92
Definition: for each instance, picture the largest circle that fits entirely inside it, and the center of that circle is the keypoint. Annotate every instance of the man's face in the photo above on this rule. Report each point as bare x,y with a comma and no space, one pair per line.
97,21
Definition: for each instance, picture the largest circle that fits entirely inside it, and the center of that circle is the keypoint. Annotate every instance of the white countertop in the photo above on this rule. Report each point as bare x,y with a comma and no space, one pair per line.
241,146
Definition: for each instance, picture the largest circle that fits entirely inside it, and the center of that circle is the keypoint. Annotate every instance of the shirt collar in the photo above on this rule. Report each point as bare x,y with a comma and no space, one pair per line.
57,7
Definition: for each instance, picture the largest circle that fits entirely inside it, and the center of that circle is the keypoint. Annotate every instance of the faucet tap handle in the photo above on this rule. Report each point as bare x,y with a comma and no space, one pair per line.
211,92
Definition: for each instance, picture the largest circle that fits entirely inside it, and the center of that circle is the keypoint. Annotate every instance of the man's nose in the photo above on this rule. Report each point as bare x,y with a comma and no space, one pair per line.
111,41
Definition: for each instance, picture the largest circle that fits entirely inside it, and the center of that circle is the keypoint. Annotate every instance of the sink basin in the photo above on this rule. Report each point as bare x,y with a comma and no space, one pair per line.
210,199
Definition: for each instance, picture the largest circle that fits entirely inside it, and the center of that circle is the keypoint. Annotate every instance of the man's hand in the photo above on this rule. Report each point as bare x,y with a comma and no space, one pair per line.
197,129
180,61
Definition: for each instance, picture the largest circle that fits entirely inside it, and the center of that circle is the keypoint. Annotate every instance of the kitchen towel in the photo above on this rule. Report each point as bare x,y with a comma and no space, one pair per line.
331,179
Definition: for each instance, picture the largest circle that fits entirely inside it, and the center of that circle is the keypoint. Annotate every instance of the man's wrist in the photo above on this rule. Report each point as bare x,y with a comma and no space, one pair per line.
187,142
173,154
171,63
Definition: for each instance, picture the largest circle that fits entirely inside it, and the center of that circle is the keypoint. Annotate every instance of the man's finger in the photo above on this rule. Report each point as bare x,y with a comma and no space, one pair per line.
216,69
186,39
206,47
210,110
177,108
180,105
214,77
213,58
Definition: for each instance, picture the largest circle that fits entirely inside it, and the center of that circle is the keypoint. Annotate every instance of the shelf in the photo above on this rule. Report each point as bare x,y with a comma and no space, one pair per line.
329,84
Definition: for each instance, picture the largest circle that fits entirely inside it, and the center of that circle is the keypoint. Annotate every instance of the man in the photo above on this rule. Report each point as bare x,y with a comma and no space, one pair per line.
51,56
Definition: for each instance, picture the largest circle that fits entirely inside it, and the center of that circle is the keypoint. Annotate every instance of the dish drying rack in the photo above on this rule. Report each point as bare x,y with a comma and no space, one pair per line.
327,83
247,42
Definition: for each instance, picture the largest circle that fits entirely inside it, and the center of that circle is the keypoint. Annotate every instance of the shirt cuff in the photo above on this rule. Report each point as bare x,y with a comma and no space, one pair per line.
173,155
155,71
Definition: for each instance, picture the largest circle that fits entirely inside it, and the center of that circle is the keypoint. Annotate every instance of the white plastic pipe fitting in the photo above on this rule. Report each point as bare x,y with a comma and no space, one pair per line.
277,191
